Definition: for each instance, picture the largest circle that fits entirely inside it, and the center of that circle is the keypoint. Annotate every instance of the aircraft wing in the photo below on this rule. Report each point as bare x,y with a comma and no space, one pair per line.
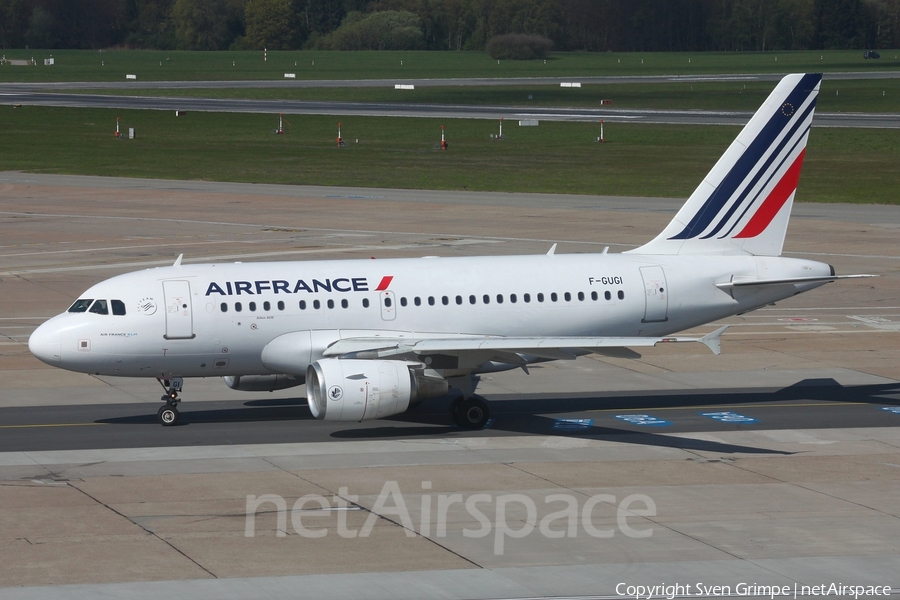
506,349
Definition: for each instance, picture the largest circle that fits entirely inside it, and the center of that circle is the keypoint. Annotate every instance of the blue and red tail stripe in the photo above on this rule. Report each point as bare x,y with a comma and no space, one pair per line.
763,158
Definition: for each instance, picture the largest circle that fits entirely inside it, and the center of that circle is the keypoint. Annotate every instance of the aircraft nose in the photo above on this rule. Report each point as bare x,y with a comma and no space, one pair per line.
45,343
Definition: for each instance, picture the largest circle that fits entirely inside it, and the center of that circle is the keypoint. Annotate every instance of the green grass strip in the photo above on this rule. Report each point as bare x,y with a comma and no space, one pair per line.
842,165
155,65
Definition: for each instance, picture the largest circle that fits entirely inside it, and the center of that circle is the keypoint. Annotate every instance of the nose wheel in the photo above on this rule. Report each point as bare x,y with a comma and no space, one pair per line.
168,414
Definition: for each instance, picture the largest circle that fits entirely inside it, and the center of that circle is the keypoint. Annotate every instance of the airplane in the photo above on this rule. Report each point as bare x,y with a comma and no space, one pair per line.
373,338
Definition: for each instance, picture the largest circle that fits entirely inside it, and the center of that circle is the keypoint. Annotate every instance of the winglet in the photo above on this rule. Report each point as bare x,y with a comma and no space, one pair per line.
178,260
713,340
552,250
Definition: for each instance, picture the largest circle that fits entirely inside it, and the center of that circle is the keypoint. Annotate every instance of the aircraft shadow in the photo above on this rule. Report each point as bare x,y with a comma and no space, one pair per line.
530,415
277,411
537,415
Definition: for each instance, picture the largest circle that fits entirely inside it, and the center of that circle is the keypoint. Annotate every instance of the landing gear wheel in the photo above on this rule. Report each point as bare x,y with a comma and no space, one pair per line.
168,415
470,413
455,409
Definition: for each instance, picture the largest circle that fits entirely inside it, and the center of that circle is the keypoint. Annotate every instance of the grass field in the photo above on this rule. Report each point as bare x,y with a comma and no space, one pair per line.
151,65
639,160
861,95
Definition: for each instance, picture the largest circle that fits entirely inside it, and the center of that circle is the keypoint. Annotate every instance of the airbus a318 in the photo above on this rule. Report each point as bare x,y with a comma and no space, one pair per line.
372,338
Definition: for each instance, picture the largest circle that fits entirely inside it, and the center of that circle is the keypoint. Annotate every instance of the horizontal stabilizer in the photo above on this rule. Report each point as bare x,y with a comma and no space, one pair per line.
740,282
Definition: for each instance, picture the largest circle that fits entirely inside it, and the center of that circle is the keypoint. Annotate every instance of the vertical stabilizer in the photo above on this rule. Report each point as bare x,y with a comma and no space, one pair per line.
744,203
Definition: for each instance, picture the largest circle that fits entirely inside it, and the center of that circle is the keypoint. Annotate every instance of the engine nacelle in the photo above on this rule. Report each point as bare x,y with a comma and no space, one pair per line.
359,390
262,383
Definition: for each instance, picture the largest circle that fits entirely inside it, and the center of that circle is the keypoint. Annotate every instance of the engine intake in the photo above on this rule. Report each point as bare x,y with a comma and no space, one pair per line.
360,390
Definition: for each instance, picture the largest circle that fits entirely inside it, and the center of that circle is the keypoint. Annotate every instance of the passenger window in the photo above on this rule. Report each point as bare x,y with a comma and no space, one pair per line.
472,300
80,306
99,307
459,299
252,306
593,295
365,303
224,307
621,295
486,299
567,296
238,307
581,296
118,308
445,300
526,297
303,305
417,301
344,303
512,298
541,297
331,303
607,295
403,301
554,297
317,305
387,302
267,306
280,305
430,300
499,298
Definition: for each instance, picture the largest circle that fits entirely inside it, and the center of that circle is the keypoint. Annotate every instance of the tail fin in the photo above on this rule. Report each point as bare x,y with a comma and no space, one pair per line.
744,203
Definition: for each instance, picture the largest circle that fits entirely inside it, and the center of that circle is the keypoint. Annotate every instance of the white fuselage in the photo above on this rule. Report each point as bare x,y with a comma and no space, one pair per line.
216,319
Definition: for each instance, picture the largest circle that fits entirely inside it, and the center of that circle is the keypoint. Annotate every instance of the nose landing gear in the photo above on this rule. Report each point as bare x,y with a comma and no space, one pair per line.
168,414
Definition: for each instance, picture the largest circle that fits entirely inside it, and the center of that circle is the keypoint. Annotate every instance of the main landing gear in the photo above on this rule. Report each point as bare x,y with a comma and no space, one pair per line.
168,414
470,413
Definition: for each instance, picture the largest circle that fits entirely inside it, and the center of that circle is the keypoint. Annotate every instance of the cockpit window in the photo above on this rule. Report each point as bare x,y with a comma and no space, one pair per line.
81,305
99,307
118,307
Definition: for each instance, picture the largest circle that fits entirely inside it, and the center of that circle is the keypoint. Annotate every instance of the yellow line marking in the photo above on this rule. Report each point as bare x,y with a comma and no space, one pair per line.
50,425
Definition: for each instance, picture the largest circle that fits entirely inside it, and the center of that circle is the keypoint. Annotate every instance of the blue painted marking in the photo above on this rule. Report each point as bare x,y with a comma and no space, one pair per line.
573,424
729,417
647,420
892,409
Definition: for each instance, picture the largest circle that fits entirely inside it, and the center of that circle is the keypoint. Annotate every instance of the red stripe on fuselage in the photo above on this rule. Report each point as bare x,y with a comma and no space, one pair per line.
776,199
385,282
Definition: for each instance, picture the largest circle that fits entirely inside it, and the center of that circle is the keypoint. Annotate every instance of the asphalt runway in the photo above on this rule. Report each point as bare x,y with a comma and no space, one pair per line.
447,111
775,462
52,94
437,82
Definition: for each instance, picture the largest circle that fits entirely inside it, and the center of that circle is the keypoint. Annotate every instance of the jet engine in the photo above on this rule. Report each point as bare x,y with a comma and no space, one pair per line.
359,390
262,383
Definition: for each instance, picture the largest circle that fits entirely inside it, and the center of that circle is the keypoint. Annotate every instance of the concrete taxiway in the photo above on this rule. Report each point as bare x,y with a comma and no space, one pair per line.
776,463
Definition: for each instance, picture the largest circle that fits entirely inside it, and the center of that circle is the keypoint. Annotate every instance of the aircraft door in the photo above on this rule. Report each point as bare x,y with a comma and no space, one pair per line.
388,305
656,296
179,318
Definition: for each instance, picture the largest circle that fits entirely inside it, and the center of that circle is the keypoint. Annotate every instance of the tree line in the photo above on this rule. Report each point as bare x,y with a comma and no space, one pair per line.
579,25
